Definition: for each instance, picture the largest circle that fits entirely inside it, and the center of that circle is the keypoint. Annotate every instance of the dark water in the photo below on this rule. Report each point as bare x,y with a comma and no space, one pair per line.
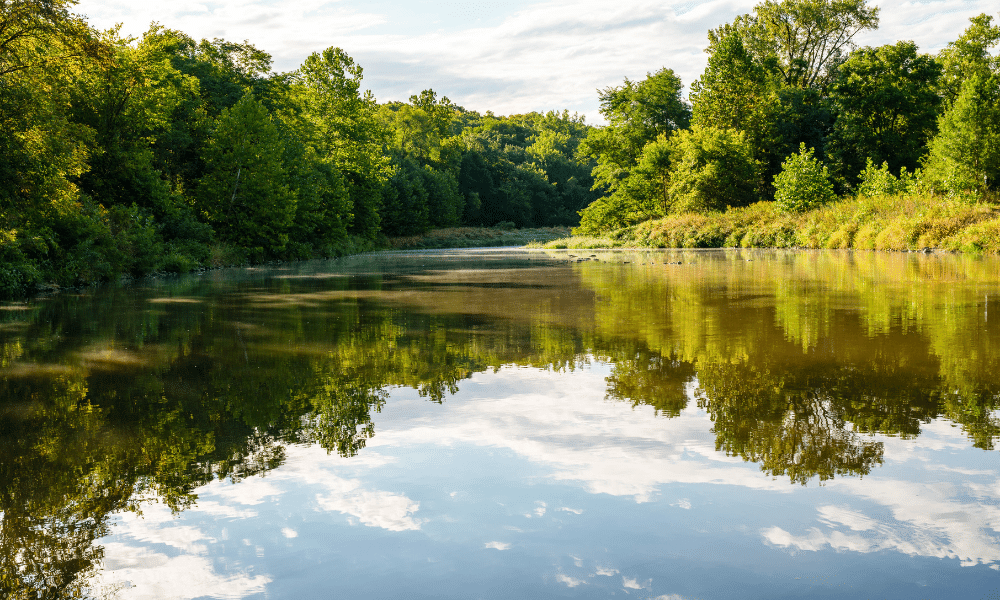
510,424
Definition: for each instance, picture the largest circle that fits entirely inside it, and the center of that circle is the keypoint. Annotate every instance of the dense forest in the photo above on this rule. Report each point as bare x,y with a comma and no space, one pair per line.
126,156
791,117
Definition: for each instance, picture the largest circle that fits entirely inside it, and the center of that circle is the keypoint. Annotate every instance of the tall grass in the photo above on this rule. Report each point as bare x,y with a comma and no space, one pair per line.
897,222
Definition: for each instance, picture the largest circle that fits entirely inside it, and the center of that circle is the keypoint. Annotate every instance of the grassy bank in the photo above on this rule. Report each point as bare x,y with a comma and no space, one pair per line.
478,237
19,279
897,223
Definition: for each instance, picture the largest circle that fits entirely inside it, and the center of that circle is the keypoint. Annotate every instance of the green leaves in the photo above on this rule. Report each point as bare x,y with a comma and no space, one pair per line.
802,40
879,181
245,194
803,183
887,106
712,170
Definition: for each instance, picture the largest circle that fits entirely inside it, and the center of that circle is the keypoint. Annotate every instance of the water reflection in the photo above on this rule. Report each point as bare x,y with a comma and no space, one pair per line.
804,362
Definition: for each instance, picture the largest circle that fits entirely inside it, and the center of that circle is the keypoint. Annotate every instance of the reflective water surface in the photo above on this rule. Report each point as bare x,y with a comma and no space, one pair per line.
510,424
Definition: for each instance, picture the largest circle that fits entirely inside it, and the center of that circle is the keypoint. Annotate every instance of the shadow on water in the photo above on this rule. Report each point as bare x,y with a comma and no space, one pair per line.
110,398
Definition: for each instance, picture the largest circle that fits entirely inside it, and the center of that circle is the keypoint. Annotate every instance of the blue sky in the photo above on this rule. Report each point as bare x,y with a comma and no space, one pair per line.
509,57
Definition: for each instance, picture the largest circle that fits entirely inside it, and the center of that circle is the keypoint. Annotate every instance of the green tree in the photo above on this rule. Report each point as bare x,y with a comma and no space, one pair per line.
712,169
803,183
637,112
245,193
968,55
965,155
886,104
801,40
734,91
334,117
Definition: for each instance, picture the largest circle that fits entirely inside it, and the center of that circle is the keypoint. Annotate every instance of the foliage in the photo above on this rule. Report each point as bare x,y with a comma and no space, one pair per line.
886,104
713,169
802,40
804,183
245,194
637,113
965,155
879,181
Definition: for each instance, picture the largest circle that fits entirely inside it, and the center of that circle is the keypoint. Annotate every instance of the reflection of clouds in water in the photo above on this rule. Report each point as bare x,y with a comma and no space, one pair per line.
562,421
133,559
633,584
374,508
253,490
497,545
934,519
146,573
569,581
151,575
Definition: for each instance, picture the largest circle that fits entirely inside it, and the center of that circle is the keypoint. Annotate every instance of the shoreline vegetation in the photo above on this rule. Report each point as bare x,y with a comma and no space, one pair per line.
892,223
126,157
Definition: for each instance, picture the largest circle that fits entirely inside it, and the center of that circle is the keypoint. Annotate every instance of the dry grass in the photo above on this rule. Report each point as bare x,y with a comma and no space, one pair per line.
898,223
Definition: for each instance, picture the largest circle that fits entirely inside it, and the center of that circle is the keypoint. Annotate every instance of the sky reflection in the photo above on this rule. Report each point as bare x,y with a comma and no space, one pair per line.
531,477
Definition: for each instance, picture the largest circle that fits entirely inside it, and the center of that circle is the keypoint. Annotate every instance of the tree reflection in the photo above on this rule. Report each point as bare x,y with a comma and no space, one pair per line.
109,399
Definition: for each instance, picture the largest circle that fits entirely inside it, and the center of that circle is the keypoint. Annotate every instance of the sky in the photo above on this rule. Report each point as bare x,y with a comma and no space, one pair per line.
508,57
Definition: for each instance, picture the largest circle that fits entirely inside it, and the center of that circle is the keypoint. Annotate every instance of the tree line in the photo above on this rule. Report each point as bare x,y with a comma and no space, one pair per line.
790,110
124,156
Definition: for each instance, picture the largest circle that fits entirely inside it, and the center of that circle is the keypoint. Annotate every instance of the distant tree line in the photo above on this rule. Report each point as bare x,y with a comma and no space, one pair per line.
789,109
124,155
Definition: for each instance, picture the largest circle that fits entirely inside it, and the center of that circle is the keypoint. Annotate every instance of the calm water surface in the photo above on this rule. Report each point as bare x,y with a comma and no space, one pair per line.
510,424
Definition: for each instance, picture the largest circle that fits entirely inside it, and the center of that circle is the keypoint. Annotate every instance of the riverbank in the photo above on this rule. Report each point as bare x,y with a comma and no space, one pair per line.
27,282
894,223
478,237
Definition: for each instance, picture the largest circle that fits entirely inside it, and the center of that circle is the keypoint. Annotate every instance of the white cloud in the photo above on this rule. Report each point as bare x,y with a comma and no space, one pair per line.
374,508
151,575
530,56
497,545
569,581
575,511
289,533
606,572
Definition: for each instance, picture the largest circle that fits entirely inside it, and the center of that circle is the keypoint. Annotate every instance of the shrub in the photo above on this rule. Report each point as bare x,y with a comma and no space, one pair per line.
803,183
878,181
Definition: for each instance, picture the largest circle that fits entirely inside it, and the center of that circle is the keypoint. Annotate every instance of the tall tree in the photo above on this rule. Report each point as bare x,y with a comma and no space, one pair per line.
245,193
340,122
886,104
803,40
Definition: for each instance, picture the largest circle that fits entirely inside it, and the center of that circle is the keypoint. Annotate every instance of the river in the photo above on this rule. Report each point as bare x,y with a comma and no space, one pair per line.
506,423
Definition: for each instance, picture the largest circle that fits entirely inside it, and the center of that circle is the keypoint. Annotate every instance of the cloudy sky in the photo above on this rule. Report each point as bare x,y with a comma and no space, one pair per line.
506,56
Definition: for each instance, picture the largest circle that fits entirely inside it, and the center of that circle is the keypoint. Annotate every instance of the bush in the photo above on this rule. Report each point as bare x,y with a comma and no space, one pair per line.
803,183
880,182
